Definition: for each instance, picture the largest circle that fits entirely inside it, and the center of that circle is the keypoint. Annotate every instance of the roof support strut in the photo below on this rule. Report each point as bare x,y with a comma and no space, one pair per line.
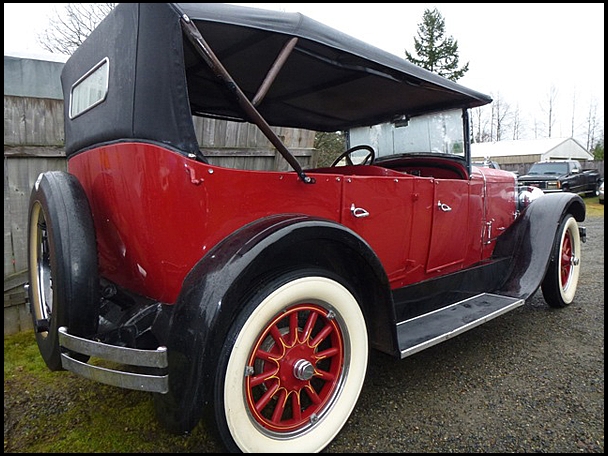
195,37
274,71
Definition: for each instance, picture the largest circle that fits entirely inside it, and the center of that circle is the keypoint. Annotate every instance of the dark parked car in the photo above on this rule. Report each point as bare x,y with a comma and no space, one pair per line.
600,193
252,297
562,176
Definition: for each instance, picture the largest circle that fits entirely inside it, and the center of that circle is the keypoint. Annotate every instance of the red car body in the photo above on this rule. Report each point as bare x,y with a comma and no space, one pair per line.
154,258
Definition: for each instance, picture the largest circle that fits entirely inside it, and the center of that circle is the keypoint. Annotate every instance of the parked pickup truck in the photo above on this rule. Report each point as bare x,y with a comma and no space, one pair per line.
562,176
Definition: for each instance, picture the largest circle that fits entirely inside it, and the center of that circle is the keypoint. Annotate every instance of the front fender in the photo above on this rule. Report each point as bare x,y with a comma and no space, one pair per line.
213,294
530,239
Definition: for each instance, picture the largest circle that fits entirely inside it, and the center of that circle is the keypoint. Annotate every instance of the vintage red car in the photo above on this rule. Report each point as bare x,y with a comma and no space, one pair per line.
255,297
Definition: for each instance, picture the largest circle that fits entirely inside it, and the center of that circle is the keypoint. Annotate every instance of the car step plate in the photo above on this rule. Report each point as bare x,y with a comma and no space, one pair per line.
434,327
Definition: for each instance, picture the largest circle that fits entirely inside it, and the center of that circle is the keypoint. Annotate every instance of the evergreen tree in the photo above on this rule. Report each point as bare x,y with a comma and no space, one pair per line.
329,146
435,52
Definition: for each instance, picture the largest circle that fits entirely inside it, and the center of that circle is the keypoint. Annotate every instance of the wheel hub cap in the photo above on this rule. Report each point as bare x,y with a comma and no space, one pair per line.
303,369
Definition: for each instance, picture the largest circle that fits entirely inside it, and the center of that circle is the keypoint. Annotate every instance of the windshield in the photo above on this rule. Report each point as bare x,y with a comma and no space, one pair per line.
440,132
549,168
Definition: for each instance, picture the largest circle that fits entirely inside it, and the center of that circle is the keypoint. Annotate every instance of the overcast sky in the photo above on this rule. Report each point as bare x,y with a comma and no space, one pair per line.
516,51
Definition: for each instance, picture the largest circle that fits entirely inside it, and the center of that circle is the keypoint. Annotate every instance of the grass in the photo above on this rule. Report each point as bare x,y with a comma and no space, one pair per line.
59,412
594,208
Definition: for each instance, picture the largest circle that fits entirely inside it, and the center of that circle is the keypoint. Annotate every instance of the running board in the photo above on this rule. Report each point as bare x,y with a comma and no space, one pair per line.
434,327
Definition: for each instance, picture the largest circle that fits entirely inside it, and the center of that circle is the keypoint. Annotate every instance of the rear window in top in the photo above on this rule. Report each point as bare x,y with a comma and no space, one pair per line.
90,90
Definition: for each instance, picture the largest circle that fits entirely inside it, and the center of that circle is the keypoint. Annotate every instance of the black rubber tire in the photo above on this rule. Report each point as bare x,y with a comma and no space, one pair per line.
594,192
63,271
244,423
561,279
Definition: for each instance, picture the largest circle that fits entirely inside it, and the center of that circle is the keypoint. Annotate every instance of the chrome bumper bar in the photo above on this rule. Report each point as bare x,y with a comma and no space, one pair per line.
131,357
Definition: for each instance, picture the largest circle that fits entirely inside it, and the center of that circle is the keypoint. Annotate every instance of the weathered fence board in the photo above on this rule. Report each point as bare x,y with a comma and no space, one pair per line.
33,121
19,176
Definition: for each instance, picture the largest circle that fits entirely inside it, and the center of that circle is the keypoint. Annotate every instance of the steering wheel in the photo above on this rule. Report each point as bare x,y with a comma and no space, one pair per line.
368,159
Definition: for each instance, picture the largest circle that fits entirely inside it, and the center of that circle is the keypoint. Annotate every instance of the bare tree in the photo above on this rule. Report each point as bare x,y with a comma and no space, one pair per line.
71,25
516,124
591,125
549,109
573,111
475,121
500,116
536,128
481,123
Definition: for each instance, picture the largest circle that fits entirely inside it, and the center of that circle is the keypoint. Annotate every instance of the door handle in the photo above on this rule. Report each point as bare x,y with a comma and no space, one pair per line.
358,212
444,207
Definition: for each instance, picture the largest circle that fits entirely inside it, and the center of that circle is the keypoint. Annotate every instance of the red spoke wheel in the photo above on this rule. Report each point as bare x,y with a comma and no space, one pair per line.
295,368
561,279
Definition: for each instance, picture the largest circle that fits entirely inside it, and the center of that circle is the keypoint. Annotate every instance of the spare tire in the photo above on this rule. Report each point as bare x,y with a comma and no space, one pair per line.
62,255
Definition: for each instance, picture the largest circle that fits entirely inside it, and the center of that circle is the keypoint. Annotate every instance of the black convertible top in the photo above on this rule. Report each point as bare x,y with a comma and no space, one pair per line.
239,63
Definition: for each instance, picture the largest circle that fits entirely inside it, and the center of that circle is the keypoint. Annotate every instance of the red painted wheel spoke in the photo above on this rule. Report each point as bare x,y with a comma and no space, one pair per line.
293,327
322,335
324,375
310,323
265,399
257,380
328,353
276,335
296,407
264,355
566,260
314,397
280,407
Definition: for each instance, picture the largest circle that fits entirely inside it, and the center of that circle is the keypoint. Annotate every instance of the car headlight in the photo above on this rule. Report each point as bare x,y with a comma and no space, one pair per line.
526,194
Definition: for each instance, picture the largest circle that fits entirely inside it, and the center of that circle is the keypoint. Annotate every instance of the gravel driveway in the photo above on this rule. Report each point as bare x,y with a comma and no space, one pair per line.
529,381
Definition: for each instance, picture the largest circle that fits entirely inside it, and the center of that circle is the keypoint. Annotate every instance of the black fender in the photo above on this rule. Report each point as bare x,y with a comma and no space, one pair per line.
530,239
216,289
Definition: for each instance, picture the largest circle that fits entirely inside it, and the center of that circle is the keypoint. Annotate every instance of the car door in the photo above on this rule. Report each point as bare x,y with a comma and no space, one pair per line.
379,208
449,231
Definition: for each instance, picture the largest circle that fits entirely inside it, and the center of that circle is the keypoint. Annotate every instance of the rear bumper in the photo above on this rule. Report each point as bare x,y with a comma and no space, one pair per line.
133,363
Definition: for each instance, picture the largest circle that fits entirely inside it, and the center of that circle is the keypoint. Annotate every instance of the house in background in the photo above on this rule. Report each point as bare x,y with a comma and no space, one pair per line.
519,155
530,151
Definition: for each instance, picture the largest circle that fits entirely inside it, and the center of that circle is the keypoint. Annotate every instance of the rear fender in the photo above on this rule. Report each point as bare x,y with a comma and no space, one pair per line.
530,239
215,291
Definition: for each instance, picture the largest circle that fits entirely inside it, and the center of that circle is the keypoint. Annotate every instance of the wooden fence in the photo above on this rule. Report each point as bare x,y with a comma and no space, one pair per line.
33,143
